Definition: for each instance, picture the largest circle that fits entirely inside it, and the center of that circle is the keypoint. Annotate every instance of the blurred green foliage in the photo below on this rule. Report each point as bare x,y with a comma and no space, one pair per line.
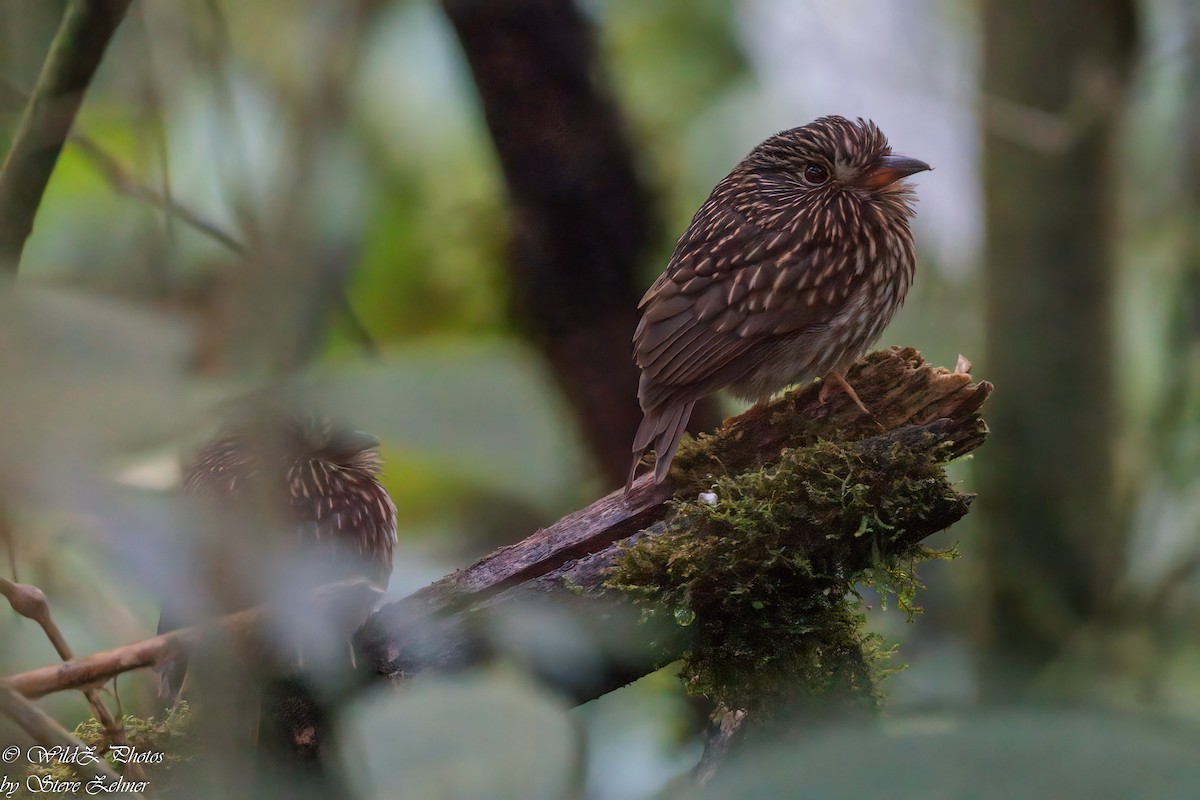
472,736
122,336
989,756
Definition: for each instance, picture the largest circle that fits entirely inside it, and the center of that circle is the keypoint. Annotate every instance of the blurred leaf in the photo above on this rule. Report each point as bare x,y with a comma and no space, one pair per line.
483,413
84,380
437,232
82,377
1026,754
479,736
639,737
433,256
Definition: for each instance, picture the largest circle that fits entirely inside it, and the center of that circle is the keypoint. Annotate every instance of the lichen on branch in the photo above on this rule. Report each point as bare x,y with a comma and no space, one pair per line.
766,574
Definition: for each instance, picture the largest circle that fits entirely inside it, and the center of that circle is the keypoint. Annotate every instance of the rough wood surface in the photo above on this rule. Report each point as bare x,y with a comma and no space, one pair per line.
897,385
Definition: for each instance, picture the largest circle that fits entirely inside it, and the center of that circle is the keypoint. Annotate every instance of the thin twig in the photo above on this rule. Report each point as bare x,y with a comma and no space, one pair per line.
29,601
242,628
82,37
151,94
354,324
125,183
100,667
48,733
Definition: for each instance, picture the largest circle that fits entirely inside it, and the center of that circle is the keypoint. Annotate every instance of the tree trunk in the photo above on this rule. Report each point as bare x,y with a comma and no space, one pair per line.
1054,78
581,215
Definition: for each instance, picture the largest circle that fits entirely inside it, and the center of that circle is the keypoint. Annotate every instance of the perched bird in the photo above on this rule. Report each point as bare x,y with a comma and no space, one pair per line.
790,270
309,484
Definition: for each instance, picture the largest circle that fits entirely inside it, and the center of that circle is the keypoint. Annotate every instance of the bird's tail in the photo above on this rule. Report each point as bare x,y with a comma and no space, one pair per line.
660,431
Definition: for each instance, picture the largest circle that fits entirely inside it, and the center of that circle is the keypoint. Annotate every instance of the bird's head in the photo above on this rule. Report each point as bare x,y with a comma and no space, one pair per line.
831,156
340,446
296,438
267,441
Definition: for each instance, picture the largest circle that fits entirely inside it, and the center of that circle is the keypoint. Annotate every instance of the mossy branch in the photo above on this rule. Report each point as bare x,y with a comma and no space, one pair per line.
899,387
764,568
828,455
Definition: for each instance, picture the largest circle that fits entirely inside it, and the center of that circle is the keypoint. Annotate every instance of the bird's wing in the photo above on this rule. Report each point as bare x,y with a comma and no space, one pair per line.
729,286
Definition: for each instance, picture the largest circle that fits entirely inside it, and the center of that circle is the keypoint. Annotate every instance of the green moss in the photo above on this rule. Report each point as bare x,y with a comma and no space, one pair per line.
170,736
152,734
765,577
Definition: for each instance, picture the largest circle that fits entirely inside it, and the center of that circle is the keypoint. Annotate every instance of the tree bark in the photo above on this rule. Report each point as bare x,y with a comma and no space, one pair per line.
1053,540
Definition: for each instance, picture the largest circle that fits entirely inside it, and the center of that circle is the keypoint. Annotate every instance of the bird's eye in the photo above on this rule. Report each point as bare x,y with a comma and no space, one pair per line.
815,174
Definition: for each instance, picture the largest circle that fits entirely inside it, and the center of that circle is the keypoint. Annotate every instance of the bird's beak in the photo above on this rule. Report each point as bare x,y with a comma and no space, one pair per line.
890,169
349,443
362,440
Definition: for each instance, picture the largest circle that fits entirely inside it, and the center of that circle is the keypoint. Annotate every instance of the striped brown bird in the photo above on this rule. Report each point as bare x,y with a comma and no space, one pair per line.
312,486
790,270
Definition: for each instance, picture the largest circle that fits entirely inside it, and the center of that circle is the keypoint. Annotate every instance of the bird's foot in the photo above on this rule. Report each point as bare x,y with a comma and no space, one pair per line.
835,380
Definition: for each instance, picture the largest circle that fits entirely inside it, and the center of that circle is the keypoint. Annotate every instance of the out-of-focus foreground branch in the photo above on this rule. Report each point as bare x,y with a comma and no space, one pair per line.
41,728
75,53
244,631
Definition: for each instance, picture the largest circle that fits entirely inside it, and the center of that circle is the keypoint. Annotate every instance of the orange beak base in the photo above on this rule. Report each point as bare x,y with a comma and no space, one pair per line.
890,169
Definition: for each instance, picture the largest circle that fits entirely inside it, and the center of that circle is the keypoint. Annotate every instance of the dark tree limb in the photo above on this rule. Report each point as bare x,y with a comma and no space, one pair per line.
721,736
581,216
86,29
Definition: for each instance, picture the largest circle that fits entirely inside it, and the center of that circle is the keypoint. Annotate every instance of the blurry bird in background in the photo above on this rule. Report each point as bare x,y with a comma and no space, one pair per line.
790,270
313,486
